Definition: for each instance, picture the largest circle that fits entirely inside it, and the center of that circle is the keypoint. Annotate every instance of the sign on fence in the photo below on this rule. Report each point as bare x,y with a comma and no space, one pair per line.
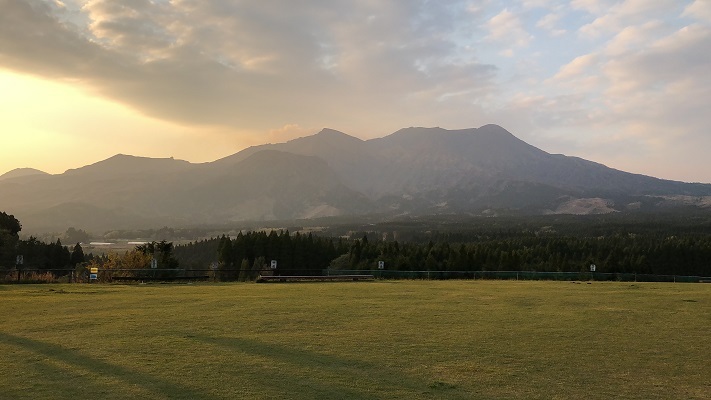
381,264
592,267
19,260
274,264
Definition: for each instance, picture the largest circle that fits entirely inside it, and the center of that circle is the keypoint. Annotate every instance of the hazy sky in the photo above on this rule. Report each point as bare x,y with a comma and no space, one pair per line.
623,82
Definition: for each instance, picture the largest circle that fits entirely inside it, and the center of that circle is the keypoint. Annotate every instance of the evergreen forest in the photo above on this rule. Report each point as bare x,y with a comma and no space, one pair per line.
678,245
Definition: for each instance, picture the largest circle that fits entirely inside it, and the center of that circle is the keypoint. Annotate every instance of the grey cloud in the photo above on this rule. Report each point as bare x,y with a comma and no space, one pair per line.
250,64
32,39
681,55
665,82
136,27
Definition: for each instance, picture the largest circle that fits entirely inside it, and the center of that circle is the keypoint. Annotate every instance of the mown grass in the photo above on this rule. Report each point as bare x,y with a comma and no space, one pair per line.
381,340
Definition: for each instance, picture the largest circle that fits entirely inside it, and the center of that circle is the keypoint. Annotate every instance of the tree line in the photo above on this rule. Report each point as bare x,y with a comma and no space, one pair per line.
673,255
688,254
655,248
40,257
242,257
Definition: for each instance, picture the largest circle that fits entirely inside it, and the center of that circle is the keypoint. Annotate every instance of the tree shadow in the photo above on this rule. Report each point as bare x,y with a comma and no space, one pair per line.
74,358
375,380
312,374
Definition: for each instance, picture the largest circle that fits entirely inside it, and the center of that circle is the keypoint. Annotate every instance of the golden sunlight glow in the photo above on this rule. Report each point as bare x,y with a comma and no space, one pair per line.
54,126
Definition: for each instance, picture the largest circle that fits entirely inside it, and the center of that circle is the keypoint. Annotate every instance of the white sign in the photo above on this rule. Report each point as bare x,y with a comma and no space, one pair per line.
274,264
154,263
592,267
213,265
381,264
20,259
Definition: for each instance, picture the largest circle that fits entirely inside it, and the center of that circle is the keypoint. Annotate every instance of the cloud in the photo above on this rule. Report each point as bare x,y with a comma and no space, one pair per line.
646,93
507,28
613,18
549,22
596,7
250,64
576,68
140,28
660,87
633,38
33,39
635,71
677,57
699,9
531,4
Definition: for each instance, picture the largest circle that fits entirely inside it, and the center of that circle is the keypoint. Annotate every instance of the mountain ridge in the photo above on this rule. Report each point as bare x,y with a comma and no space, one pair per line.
415,170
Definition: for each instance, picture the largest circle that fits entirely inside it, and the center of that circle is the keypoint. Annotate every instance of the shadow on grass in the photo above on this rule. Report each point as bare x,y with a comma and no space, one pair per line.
102,368
318,375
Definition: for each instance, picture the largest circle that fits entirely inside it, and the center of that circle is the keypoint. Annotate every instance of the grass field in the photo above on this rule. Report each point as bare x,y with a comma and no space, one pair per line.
375,340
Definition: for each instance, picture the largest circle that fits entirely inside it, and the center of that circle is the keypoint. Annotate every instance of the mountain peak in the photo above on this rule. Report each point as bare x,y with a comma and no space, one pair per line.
326,135
494,130
494,127
489,130
330,132
418,130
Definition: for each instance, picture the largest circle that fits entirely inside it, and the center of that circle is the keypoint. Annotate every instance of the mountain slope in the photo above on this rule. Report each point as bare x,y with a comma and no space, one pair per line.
270,184
350,158
491,153
125,191
415,160
414,170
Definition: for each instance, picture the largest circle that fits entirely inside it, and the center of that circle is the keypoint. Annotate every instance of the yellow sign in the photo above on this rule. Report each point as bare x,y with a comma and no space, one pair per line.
94,270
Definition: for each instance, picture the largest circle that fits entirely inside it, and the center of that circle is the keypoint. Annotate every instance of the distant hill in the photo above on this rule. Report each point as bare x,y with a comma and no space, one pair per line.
415,171
22,173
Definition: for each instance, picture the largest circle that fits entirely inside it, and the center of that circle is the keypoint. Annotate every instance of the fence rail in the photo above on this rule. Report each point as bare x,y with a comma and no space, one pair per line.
31,275
522,275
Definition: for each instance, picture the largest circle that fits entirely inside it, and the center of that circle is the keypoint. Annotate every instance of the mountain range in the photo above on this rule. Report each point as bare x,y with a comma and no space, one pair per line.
414,171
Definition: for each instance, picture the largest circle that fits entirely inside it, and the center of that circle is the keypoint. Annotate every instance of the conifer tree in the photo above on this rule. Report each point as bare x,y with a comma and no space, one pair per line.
77,256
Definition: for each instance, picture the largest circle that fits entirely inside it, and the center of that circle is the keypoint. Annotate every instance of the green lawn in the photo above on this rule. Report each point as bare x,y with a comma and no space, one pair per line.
364,340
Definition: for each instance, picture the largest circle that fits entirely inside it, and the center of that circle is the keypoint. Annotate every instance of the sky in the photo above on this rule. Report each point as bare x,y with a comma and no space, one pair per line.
626,83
